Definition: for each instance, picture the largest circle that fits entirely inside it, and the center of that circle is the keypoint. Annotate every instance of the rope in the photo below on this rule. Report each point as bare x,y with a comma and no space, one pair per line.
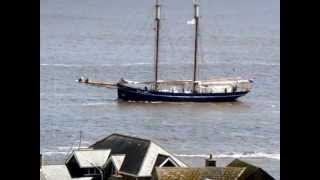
129,36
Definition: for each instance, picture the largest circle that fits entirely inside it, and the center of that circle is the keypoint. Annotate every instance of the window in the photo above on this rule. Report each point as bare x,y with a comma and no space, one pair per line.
92,172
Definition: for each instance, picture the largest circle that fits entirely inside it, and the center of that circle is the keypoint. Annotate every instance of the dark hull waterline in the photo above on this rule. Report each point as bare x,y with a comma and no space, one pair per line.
134,94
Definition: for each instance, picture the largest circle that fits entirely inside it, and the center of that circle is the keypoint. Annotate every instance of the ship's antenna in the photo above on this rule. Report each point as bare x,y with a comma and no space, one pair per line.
80,140
157,24
196,19
68,152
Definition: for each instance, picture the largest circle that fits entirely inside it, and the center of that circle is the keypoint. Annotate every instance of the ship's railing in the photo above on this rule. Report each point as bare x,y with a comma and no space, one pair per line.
225,85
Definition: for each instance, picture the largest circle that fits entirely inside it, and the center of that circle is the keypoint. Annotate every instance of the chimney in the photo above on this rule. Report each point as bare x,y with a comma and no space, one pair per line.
210,162
40,160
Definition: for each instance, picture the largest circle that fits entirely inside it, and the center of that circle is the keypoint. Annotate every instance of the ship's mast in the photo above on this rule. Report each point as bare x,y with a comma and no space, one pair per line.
196,19
157,28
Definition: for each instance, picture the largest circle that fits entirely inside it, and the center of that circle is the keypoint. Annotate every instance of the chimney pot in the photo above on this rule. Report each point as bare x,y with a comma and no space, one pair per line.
210,162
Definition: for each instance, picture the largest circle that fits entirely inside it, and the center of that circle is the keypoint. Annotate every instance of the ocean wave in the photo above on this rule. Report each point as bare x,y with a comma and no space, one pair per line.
63,65
153,102
150,64
53,153
233,155
108,102
94,65
65,150
259,63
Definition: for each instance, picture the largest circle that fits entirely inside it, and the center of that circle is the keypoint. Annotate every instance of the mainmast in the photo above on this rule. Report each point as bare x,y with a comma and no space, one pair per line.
196,19
157,24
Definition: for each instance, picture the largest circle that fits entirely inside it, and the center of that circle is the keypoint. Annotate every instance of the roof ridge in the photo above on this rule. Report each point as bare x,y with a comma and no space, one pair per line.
131,137
144,158
121,135
172,154
91,149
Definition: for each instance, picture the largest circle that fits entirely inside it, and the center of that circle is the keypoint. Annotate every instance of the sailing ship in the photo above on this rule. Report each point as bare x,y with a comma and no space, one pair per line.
211,90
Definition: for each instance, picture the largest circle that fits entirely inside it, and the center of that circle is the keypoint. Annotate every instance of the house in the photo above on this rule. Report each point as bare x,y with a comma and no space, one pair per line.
120,156
134,158
212,173
54,172
251,172
236,170
87,163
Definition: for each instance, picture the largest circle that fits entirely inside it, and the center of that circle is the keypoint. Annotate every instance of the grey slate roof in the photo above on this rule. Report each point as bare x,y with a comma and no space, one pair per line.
134,149
140,154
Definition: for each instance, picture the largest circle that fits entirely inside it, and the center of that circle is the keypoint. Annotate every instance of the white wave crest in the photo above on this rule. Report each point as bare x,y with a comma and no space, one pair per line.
62,65
63,150
98,103
52,153
66,148
149,64
94,65
234,155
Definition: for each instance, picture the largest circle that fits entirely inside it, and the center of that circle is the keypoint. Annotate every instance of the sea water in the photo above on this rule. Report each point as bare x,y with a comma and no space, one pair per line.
107,40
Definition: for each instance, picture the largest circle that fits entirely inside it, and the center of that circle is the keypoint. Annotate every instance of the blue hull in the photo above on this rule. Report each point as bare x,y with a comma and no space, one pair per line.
134,94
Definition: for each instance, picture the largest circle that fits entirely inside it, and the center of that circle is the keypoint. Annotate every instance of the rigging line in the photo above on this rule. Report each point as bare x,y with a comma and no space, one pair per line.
69,152
201,34
170,49
54,96
127,31
128,38
163,38
143,28
201,53
199,49
168,37
80,139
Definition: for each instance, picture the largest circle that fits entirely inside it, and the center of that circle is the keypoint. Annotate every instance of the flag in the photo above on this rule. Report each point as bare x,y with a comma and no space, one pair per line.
191,21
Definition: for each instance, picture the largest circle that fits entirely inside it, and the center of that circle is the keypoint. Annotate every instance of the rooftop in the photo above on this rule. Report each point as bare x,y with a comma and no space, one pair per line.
214,173
55,172
88,158
251,171
141,154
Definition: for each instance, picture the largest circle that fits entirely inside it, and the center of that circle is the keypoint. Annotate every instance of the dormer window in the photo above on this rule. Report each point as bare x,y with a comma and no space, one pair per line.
91,172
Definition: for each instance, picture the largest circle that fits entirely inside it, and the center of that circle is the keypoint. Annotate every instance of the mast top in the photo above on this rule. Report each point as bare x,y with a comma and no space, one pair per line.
157,10
196,6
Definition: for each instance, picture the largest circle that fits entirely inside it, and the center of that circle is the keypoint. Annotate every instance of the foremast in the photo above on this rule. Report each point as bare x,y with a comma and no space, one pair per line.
195,63
157,29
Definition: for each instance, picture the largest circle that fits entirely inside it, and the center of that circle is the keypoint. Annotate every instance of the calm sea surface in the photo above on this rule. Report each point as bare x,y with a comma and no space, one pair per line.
107,40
